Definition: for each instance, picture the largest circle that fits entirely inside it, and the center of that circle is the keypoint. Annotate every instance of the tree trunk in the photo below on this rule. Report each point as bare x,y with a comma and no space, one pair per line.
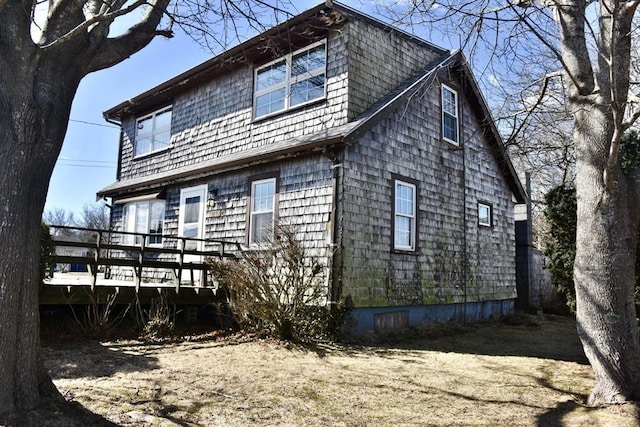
604,269
34,112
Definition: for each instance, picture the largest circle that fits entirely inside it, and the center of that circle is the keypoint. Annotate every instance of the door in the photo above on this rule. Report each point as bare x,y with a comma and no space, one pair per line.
191,225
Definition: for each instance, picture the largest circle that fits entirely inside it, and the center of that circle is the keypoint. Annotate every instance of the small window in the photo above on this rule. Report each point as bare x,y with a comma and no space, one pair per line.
146,217
296,79
450,115
484,215
262,211
404,231
153,132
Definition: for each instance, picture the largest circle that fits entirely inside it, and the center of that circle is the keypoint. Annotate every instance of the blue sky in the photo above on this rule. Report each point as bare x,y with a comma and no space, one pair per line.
88,159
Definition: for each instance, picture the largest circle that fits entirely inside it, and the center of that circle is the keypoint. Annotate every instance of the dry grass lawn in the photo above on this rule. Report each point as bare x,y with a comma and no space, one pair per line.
525,374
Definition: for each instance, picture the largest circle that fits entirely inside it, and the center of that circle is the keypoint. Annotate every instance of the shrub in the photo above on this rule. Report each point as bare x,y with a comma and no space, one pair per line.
279,289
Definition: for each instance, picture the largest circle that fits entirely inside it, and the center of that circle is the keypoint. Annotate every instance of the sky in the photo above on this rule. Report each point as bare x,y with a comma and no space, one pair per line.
88,159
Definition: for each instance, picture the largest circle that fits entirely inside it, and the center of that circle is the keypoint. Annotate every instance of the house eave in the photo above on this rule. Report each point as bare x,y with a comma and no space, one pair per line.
201,170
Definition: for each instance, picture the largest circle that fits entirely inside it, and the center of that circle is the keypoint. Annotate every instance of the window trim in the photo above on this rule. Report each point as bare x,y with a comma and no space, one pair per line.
251,181
289,81
409,182
489,207
131,212
456,116
153,132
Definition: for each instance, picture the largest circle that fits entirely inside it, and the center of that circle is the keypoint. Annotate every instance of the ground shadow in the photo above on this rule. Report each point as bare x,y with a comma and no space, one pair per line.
538,336
98,360
57,413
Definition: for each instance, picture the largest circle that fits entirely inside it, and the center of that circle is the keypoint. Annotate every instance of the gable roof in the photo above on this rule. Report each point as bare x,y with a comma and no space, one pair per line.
338,135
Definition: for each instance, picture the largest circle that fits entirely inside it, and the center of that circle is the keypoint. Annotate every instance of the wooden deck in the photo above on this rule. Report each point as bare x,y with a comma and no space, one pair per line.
177,268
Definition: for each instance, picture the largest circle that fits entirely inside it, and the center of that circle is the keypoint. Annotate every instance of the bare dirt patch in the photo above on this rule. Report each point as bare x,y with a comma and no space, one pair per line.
524,373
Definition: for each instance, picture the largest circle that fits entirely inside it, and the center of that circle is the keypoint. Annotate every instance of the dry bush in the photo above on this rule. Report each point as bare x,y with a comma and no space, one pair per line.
279,289
99,319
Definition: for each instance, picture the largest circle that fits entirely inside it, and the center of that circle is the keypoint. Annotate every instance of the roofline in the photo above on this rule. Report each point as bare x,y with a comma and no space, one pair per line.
227,57
227,163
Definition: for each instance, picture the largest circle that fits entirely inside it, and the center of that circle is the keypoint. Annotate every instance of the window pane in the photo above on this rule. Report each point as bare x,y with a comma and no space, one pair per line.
450,127
262,227
156,219
404,199
270,102
308,61
263,196
484,215
449,101
403,231
144,126
191,210
161,140
307,90
271,75
143,145
163,120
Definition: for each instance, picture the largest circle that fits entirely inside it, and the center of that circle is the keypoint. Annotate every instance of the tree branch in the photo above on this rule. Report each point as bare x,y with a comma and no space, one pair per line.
84,26
113,50
575,54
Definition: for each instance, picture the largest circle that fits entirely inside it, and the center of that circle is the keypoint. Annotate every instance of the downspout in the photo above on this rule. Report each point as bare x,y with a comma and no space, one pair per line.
335,230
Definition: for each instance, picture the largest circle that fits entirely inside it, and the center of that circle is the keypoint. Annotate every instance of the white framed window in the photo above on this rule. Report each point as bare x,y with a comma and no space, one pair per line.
450,115
153,132
262,211
295,79
485,215
404,216
145,217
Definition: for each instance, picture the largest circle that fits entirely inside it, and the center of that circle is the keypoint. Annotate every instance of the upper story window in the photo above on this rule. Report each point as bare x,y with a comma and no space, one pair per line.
153,132
404,227
146,217
450,115
262,211
290,81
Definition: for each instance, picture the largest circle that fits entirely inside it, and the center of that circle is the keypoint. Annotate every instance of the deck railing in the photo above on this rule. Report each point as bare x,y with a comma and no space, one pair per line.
103,250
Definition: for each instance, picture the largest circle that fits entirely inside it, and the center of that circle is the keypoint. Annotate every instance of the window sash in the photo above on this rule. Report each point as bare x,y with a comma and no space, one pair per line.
262,210
450,115
404,216
153,132
296,79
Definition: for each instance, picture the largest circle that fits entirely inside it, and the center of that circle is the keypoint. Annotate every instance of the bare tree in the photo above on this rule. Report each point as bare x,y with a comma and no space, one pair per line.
95,216
59,216
46,48
591,42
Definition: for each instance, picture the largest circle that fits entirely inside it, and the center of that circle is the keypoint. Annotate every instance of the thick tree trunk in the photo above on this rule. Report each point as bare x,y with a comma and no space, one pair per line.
37,86
34,112
604,268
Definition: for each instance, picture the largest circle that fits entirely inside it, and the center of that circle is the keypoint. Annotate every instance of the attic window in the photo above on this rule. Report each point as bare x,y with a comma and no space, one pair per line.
293,80
449,115
153,132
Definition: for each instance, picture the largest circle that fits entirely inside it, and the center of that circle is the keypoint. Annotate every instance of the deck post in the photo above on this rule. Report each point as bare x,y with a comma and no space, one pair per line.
138,269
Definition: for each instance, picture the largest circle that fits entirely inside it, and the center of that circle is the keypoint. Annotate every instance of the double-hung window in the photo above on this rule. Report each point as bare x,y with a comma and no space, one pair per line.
290,81
146,217
262,211
404,216
153,132
450,115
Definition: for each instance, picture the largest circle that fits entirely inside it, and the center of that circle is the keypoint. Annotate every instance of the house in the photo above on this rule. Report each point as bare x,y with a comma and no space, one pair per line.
376,145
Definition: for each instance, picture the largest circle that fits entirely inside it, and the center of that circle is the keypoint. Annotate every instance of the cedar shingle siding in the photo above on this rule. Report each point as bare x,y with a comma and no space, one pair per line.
457,261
